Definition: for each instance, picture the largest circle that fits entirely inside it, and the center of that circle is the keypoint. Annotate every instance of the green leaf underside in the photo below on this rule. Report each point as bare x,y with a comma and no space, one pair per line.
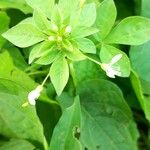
108,52
59,74
131,31
24,35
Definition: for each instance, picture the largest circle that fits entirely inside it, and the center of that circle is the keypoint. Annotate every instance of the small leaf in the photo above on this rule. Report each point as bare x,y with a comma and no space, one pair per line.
108,52
68,6
57,17
45,6
106,16
39,50
41,20
75,55
131,31
88,15
80,32
86,45
24,35
64,133
59,74
48,58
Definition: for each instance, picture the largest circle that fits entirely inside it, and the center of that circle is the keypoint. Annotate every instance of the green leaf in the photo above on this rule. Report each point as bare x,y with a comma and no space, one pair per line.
88,15
64,133
145,8
86,70
41,20
18,144
3,26
68,6
18,59
131,31
48,58
25,124
108,52
75,55
106,117
39,50
57,17
144,100
106,16
24,35
17,4
59,74
140,56
45,6
86,45
81,32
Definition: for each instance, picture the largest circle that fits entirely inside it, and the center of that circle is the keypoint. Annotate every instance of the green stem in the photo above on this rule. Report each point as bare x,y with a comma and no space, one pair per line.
37,73
93,60
45,80
72,72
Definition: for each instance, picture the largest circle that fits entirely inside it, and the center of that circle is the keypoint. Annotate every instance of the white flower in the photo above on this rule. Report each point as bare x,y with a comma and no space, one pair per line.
68,29
34,95
110,70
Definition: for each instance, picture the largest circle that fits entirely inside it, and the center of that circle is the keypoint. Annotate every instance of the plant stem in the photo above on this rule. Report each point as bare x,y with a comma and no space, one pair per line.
93,60
45,80
72,72
38,72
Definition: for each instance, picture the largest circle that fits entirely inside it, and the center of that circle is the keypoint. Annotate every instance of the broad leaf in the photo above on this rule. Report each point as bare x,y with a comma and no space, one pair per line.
106,16
131,31
86,45
59,74
18,144
25,124
45,6
106,117
86,70
24,35
107,52
64,135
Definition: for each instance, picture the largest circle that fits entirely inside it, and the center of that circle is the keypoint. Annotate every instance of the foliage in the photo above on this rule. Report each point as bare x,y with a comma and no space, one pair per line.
58,64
